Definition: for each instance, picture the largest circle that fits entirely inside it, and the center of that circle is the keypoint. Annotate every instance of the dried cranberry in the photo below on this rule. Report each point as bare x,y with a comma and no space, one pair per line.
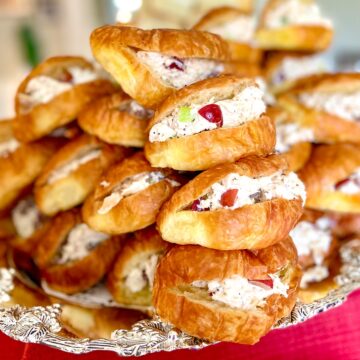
212,113
176,64
339,184
195,206
65,76
267,282
228,197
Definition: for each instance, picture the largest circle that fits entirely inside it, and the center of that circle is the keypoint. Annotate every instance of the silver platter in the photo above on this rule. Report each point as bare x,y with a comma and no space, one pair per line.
42,325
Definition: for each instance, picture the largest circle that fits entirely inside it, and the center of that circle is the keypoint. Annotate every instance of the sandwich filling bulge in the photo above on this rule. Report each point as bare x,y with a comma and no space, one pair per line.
176,72
239,292
235,191
245,106
314,240
43,88
130,186
79,242
296,12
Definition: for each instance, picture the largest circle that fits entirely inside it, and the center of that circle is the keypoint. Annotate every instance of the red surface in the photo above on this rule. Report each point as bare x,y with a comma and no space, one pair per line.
332,335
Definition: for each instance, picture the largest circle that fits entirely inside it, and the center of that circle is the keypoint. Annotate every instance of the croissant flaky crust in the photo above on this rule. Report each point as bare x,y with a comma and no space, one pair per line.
291,37
329,165
105,119
133,212
115,48
213,147
42,119
72,189
136,249
249,227
327,128
76,275
21,167
220,16
194,312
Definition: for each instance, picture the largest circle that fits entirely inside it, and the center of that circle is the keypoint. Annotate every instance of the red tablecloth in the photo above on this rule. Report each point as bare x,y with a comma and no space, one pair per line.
334,335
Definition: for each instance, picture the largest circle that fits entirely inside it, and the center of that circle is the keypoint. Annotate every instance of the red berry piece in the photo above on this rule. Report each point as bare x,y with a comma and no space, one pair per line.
228,197
212,113
265,282
339,184
176,64
65,76
195,206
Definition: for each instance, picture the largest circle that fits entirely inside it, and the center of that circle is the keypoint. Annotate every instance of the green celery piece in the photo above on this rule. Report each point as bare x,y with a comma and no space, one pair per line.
185,114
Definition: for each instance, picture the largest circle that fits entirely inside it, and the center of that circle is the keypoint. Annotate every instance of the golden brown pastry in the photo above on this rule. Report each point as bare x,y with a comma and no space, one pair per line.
7,229
116,119
251,204
30,225
242,69
232,296
293,141
131,279
328,104
72,173
53,94
284,68
129,196
332,178
317,249
20,163
209,123
73,257
97,323
295,25
152,64
235,26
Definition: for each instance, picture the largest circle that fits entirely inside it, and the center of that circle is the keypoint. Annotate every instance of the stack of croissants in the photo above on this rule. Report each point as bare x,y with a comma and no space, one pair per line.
210,174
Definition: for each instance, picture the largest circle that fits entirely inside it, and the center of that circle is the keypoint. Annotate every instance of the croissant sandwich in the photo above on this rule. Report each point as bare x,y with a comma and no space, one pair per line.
296,25
250,204
209,123
54,93
129,196
332,178
152,64
232,296
72,173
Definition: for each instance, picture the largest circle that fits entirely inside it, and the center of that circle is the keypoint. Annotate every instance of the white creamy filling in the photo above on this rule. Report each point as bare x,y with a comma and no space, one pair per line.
346,106
351,186
240,29
253,190
243,107
65,170
142,275
313,239
296,12
8,147
41,89
293,68
80,241
26,217
314,274
192,69
289,134
130,186
239,292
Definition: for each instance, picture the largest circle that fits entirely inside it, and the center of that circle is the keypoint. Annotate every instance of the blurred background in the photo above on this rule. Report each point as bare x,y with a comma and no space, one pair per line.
31,30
